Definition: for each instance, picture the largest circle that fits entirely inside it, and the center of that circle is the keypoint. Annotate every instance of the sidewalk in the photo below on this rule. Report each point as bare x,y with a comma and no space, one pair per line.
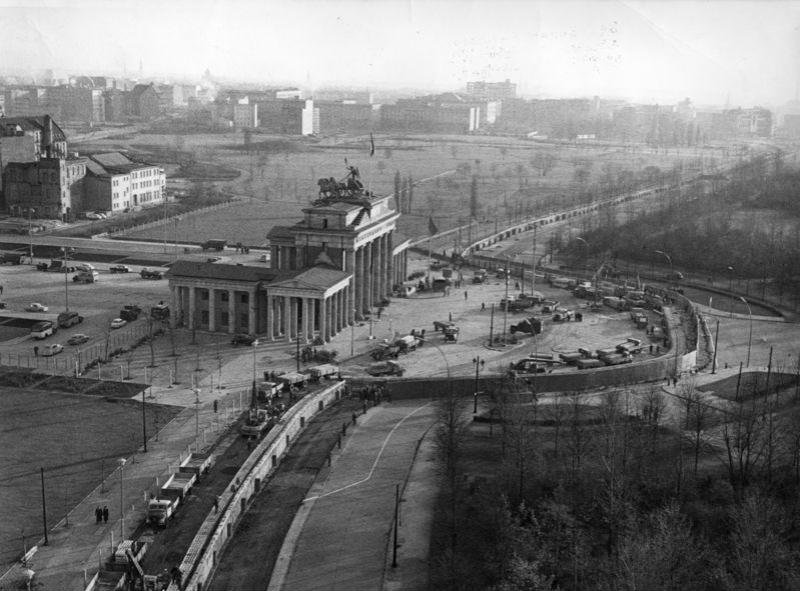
75,552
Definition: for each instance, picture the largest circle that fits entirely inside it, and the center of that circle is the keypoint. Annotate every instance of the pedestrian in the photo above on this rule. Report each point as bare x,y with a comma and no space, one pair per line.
483,306
516,285
216,404
216,504
1,290
36,351
105,514
675,381
354,418
651,348
465,296
98,515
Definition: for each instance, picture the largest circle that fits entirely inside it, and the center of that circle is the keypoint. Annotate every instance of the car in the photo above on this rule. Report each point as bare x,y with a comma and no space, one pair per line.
77,339
84,277
36,307
128,315
243,339
44,329
213,259
51,349
67,319
85,268
385,368
118,323
120,269
146,273
94,216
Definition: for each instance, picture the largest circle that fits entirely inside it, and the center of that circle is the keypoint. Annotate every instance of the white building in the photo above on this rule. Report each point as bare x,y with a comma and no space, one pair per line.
116,184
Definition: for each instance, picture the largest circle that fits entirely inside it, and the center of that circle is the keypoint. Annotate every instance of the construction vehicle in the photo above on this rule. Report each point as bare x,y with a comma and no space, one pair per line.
441,324
549,306
589,363
258,423
530,325
326,371
160,311
479,276
293,379
451,334
197,464
162,507
385,351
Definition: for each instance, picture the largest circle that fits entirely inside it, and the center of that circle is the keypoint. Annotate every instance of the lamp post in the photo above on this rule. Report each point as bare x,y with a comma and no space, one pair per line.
730,287
478,364
196,417
122,462
255,344
353,334
66,283
505,307
750,333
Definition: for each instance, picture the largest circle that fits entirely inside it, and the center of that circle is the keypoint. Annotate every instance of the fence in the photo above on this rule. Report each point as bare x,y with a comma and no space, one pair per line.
216,530
162,221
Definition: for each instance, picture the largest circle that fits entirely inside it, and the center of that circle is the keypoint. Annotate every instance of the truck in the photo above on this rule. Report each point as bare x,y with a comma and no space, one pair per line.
197,464
616,359
160,311
407,343
451,334
326,371
86,277
615,303
214,244
385,368
479,276
258,423
14,258
43,329
527,366
67,319
589,363
570,357
268,390
58,265
293,379
162,507
385,351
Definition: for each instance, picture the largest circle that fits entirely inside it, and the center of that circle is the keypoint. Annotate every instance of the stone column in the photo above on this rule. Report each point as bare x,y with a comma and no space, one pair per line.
378,272
351,268
336,326
270,319
251,312
231,311
331,332
286,314
323,320
390,267
192,307
304,311
175,305
212,305
369,276
359,285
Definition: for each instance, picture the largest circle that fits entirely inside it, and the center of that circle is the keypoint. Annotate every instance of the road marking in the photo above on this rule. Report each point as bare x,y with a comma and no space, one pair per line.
377,458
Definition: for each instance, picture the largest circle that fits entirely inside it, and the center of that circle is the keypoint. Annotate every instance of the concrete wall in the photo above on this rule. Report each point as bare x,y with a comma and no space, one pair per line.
209,542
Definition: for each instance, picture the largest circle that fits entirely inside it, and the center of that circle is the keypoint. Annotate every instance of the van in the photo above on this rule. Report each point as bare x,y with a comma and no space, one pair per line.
67,319
43,329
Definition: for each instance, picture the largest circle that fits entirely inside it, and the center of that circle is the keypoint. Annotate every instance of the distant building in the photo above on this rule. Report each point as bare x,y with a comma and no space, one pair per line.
50,187
310,119
78,104
245,115
144,102
281,116
492,91
28,139
343,95
116,184
344,117
288,93
444,113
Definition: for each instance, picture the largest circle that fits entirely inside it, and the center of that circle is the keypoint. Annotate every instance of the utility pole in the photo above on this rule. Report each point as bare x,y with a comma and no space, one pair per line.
505,308
533,262
491,327
144,423
44,508
66,283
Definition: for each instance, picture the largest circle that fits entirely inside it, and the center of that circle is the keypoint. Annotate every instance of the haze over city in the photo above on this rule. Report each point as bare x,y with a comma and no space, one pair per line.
652,51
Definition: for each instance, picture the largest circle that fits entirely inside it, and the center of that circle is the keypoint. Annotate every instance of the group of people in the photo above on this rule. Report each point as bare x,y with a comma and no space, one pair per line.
101,514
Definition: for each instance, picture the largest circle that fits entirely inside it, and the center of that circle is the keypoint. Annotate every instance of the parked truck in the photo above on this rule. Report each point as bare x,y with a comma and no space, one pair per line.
258,423
197,464
326,371
163,506
530,325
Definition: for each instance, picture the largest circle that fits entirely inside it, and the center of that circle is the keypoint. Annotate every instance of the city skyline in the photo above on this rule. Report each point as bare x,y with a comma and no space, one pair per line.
647,51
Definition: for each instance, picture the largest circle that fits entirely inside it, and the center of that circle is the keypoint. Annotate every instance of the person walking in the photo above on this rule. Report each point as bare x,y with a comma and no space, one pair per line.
36,351
98,515
216,504
465,296
105,514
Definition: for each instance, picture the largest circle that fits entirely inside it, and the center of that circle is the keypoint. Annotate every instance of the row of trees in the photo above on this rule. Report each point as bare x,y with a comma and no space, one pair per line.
620,490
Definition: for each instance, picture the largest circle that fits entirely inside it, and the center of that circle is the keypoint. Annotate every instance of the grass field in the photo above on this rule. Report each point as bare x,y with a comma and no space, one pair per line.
75,439
279,176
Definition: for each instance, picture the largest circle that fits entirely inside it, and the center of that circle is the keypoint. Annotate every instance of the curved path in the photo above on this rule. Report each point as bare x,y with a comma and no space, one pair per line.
340,535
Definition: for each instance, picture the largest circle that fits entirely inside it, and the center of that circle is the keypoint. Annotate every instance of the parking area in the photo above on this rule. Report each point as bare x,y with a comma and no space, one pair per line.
97,303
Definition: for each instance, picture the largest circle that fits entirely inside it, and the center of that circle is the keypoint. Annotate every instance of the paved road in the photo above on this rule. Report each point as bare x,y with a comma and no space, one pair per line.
339,539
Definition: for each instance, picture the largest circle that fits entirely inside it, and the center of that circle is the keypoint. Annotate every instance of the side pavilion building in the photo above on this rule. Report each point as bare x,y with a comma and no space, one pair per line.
328,270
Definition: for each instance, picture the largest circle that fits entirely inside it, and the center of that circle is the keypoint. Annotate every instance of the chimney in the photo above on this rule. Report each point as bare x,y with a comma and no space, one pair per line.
47,140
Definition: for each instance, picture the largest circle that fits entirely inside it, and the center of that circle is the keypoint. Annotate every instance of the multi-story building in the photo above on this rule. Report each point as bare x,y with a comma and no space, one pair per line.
281,116
492,91
344,95
444,113
78,104
116,184
329,269
337,117
309,119
28,139
48,188
144,102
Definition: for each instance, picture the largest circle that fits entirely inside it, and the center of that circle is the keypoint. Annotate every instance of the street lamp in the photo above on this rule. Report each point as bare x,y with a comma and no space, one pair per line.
505,307
196,417
122,462
31,211
750,335
255,344
478,364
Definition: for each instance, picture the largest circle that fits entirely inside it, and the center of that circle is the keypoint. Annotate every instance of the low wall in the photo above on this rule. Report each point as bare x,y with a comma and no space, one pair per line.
200,560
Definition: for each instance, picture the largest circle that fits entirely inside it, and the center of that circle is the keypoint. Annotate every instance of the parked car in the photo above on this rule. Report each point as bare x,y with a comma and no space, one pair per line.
128,315
150,274
118,323
243,339
94,216
51,349
84,277
44,329
120,269
85,268
77,339
36,307
67,319
385,368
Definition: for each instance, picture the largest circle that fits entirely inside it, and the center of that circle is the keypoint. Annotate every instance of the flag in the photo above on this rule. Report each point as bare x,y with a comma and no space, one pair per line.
371,145
432,229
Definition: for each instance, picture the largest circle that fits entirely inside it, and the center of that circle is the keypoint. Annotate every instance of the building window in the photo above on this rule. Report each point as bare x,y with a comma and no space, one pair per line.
223,318
243,320
324,223
204,316
204,295
245,298
223,297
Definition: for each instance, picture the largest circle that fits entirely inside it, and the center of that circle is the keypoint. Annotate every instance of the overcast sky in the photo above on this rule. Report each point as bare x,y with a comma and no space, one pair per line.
650,51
